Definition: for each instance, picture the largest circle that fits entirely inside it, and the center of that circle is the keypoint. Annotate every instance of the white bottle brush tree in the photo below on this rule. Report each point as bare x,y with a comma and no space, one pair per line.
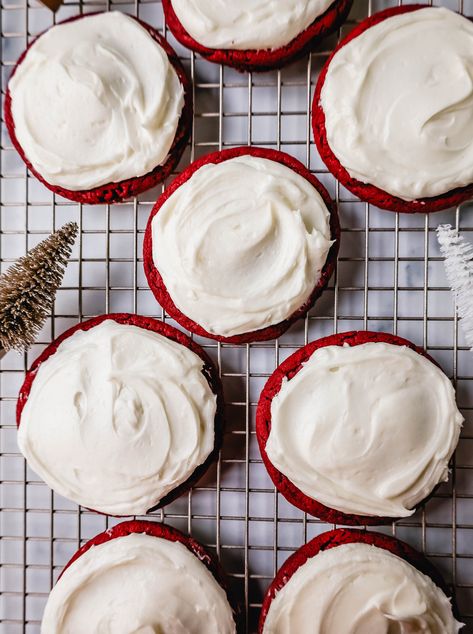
458,254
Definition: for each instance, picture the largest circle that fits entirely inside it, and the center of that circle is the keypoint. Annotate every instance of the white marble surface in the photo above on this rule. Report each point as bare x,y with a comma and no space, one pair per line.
390,277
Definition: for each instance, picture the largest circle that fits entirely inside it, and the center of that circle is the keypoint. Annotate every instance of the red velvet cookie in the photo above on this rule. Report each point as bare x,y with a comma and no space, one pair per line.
156,282
117,191
366,191
209,371
263,60
155,529
163,531
339,537
287,370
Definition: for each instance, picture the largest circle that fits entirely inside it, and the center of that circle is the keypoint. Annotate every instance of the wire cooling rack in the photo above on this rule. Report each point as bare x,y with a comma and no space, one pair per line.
390,277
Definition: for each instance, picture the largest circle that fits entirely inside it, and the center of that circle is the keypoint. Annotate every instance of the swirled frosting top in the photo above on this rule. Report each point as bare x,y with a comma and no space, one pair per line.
399,107
247,24
241,244
359,589
118,417
138,584
366,429
95,101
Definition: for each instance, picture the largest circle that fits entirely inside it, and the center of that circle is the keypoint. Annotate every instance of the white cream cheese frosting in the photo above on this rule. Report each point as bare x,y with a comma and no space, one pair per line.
95,101
359,589
367,429
118,417
247,24
241,244
399,108
138,584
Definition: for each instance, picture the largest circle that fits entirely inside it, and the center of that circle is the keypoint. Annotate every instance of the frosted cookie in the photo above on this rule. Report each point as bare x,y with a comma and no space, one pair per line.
99,108
393,111
121,414
253,35
140,577
354,581
358,428
241,244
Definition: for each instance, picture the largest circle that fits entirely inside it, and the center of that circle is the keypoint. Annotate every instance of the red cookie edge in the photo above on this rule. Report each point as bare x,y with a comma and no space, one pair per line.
267,59
156,282
338,537
155,529
148,323
365,191
288,369
116,192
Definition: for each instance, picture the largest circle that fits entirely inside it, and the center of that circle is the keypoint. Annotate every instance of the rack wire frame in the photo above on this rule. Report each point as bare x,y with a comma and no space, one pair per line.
389,277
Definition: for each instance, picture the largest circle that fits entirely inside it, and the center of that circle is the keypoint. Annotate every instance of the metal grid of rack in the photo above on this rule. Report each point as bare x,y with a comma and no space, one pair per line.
389,277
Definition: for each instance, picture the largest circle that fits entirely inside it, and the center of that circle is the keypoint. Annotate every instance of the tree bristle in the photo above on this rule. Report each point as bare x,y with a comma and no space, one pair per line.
28,288
458,254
